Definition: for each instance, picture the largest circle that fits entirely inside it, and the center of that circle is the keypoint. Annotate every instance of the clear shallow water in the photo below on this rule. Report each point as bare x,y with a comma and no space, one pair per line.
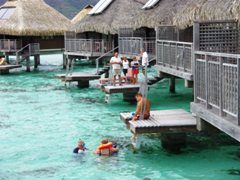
41,121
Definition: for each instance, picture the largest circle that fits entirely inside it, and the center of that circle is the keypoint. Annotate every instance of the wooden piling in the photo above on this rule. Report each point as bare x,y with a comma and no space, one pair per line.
28,64
172,83
83,84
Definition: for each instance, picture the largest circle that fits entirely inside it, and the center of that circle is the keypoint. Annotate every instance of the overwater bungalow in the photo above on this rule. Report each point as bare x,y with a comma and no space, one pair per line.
154,21
30,26
97,33
216,62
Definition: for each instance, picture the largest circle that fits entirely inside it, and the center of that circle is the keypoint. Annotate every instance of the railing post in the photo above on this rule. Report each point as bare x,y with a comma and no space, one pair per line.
221,113
184,64
176,56
206,81
9,47
194,76
102,46
238,90
162,53
91,46
17,58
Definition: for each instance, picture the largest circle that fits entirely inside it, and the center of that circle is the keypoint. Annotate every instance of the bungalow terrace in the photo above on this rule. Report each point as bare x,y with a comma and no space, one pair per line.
97,34
216,62
28,26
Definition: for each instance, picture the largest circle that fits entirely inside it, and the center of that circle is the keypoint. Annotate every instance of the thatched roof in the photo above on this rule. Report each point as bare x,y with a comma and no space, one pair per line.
207,10
82,14
162,14
33,18
118,14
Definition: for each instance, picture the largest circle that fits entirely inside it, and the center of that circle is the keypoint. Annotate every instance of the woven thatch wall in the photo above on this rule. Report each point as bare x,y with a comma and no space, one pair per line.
118,14
33,18
82,14
207,10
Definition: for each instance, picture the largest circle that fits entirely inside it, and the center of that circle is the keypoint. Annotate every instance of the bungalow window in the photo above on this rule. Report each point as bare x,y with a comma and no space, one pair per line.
100,7
150,4
5,13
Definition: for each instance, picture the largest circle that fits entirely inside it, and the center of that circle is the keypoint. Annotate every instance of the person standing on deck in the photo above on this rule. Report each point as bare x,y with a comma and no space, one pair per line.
143,104
116,65
125,64
135,66
144,60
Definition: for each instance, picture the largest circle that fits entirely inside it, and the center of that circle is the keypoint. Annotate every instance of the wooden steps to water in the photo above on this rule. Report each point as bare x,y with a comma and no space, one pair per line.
163,121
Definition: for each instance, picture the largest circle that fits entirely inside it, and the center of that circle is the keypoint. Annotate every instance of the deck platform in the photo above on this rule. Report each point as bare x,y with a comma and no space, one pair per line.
82,78
175,72
124,88
163,121
4,69
226,124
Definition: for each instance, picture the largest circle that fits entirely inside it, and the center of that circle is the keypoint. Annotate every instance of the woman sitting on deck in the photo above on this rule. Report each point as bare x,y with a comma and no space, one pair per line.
143,104
2,61
106,148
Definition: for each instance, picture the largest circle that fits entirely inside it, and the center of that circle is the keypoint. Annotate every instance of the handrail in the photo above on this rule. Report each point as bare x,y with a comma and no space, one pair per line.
29,49
97,60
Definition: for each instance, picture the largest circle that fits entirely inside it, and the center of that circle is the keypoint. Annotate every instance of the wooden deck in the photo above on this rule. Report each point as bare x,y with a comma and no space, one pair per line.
162,121
4,69
124,88
78,77
226,124
8,67
175,72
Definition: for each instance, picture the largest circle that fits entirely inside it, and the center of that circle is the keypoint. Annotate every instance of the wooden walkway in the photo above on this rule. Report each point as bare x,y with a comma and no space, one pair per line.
162,121
5,68
124,88
82,78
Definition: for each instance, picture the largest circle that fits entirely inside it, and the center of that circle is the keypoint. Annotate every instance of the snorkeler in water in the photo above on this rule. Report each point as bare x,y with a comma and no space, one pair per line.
106,148
80,147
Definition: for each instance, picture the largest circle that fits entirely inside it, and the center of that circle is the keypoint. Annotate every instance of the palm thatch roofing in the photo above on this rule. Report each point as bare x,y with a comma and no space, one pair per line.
82,14
33,18
118,14
207,10
160,15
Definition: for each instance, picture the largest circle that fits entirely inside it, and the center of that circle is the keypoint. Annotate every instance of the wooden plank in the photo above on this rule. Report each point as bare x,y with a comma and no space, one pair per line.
121,89
7,67
174,72
79,77
229,127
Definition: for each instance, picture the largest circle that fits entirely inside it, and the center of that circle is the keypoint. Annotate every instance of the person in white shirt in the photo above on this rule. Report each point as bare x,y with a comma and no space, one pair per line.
125,64
116,65
144,60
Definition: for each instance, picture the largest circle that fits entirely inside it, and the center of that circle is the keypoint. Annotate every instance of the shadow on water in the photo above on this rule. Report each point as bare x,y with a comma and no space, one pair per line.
47,171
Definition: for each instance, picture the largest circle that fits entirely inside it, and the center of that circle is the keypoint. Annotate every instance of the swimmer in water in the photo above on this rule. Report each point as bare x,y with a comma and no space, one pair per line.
106,148
80,147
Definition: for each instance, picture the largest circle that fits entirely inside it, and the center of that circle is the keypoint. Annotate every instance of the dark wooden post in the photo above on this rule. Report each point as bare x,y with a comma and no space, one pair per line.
83,84
36,62
172,87
28,64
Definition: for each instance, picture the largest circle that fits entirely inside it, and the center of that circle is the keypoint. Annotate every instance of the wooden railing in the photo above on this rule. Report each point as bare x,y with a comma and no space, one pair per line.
88,45
175,54
27,51
217,82
133,45
10,45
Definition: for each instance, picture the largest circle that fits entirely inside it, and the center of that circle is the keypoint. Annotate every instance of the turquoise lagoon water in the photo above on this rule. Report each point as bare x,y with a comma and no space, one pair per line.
41,121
